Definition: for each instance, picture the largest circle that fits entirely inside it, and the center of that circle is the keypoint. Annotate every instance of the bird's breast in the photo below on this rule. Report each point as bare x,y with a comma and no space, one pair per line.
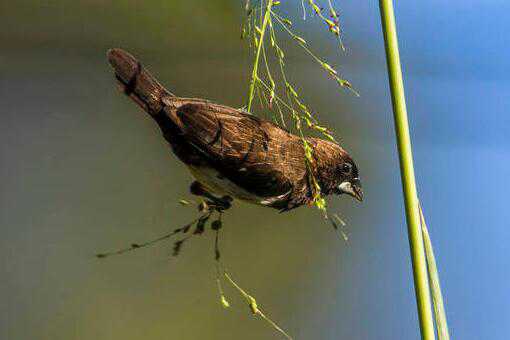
219,185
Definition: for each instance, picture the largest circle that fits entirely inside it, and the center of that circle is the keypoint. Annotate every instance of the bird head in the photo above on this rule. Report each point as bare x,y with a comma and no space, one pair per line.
336,171
348,179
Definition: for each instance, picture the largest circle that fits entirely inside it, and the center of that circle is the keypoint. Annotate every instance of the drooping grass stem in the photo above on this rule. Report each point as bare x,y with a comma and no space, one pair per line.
254,75
421,280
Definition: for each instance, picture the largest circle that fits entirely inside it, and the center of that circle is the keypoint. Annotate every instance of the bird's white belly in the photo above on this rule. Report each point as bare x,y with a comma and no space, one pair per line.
220,185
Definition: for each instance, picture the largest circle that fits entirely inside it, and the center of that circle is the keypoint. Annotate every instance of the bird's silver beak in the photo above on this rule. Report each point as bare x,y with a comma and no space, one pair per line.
352,188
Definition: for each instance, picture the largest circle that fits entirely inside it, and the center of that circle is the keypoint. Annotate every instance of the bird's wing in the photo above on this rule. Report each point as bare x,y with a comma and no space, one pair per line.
254,154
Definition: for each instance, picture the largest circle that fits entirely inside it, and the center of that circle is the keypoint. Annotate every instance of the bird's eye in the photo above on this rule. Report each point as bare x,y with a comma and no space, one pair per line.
347,168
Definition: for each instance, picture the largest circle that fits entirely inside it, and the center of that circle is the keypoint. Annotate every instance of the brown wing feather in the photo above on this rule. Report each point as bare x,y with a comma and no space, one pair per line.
254,154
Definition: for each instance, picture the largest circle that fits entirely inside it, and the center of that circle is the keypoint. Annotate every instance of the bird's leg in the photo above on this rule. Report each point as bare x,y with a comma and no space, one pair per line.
213,202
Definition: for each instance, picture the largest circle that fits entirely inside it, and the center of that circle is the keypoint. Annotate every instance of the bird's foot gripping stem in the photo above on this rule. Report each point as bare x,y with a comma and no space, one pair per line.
211,202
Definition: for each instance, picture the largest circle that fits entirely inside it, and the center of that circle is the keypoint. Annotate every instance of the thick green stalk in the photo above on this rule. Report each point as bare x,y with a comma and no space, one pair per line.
254,74
421,282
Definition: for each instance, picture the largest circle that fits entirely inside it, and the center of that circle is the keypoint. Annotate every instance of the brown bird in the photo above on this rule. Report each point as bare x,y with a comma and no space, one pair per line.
232,153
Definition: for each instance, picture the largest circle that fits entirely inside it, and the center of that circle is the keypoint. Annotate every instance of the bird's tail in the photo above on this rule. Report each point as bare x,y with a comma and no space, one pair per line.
136,82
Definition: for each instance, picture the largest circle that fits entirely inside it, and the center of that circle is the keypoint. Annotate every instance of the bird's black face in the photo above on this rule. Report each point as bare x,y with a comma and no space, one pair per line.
348,180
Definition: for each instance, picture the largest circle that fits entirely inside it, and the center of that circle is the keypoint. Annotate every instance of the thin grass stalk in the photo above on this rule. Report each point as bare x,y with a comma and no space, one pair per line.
254,75
437,296
421,281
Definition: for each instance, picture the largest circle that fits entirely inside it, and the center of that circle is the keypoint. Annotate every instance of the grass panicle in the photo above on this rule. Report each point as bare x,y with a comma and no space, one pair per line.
254,307
262,26
221,272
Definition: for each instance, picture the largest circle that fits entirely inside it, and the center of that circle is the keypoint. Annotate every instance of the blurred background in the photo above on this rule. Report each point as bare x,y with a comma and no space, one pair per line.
84,171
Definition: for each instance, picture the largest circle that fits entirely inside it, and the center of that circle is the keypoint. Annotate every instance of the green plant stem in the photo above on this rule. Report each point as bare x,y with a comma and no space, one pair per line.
254,74
421,282
437,296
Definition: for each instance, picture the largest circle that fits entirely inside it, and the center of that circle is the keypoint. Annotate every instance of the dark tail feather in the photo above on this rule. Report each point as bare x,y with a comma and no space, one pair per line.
137,82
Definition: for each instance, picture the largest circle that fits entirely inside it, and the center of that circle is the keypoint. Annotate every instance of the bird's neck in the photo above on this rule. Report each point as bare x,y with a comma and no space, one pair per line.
323,166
